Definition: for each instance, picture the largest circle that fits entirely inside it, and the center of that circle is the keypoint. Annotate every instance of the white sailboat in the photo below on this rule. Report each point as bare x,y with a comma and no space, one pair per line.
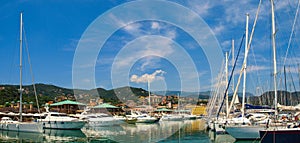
242,128
7,123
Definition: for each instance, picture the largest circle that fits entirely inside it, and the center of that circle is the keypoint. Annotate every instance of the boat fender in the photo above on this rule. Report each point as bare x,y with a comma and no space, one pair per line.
17,125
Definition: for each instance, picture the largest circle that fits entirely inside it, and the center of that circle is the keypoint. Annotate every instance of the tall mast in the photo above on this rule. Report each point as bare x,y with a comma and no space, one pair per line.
274,57
245,67
178,104
226,78
232,62
20,90
149,93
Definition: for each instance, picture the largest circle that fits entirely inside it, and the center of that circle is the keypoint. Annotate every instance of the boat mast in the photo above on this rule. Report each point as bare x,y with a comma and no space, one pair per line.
226,78
178,103
20,90
235,100
245,66
232,62
274,56
149,93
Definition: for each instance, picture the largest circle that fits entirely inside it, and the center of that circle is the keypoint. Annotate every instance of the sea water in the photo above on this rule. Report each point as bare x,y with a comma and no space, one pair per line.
188,131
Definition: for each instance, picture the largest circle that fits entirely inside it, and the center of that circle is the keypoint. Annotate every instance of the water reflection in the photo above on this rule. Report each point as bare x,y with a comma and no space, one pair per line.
51,135
226,138
166,131
12,136
220,138
135,132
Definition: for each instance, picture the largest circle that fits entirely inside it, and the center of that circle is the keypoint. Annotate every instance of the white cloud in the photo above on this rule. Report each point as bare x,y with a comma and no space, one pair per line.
171,34
226,44
252,68
157,75
291,60
294,70
134,29
155,25
200,7
150,63
116,20
218,29
145,48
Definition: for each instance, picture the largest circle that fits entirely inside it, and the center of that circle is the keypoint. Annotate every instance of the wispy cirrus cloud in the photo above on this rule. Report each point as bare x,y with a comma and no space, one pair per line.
200,7
253,68
145,48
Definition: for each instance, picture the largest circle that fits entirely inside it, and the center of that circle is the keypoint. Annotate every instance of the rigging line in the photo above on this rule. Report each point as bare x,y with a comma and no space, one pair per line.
280,86
292,32
257,73
295,54
31,72
13,60
285,87
214,99
292,79
231,74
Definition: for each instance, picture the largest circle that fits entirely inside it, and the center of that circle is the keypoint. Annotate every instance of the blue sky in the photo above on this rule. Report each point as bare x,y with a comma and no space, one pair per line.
54,29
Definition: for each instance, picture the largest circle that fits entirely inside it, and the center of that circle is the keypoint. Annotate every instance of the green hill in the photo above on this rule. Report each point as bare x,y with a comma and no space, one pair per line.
45,92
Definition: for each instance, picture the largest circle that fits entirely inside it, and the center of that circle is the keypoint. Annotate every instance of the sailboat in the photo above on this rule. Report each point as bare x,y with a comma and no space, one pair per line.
7,123
278,134
243,128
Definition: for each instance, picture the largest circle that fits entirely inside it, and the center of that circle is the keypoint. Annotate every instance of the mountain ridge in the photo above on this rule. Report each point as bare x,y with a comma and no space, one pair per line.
49,92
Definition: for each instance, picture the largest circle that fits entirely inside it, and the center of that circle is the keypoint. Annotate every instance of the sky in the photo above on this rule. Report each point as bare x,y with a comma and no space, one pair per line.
173,45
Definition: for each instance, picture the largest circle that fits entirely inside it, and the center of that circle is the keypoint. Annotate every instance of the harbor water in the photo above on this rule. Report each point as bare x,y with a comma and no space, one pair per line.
188,131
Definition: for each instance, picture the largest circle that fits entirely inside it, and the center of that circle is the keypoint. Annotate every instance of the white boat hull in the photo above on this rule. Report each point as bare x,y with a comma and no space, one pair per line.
22,127
75,125
244,132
